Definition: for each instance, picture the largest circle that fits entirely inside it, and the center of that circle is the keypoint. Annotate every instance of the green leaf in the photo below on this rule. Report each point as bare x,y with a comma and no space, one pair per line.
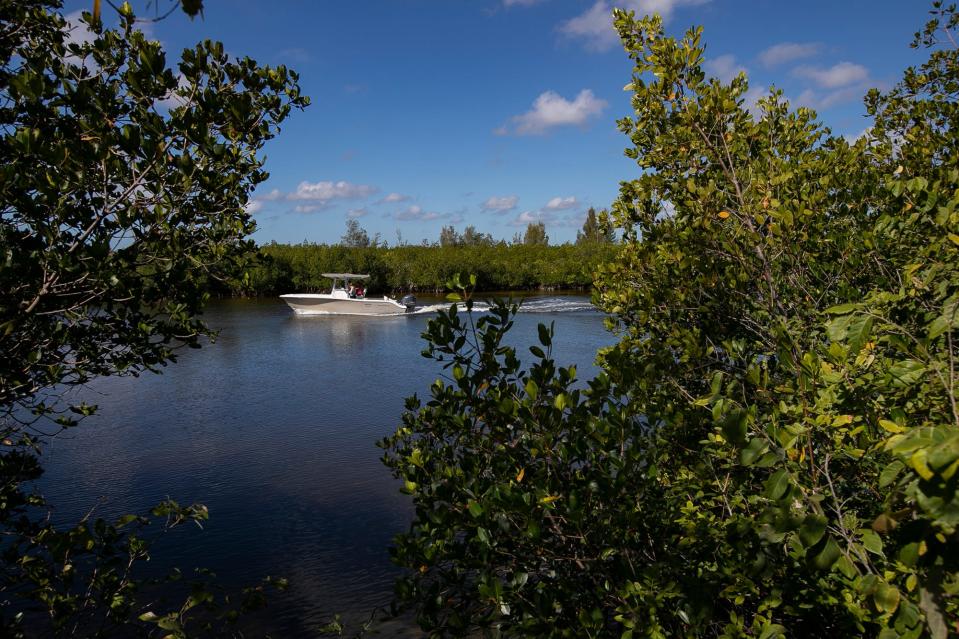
777,484
544,337
752,451
890,472
532,389
886,597
842,309
859,330
827,555
872,542
907,372
476,510
735,426
812,529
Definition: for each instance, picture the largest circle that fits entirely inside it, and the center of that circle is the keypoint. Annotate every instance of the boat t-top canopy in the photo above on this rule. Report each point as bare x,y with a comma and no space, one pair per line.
345,276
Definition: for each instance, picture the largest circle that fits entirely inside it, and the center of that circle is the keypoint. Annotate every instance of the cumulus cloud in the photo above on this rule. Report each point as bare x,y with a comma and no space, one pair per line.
594,27
355,213
824,100
840,83
839,75
275,194
253,206
724,67
326,191
394,197
528,217
552,110
500,204
314,196
787,52
560,203
414,212
309,208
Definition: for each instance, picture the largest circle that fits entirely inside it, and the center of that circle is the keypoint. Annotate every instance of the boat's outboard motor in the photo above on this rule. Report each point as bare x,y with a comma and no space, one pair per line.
409,301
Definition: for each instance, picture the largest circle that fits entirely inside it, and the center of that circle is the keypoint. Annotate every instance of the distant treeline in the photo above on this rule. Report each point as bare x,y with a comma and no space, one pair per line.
284,268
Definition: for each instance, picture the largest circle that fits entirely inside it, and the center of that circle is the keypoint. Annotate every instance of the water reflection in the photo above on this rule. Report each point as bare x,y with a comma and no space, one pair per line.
273,428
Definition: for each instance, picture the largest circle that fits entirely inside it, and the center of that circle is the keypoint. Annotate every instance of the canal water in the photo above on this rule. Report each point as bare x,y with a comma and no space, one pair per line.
273,427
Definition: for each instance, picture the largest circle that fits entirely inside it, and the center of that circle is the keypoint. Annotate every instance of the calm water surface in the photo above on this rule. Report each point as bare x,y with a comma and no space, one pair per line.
273,427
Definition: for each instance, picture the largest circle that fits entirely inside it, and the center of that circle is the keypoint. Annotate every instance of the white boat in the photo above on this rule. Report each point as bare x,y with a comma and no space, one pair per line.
346,299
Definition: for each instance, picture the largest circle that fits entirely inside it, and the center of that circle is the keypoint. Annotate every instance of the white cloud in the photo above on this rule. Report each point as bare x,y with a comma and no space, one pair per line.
818,100
724,67
787,52
414,212
394,197
310,208
839,75
552,110
560,203
751,100
79,32
253,206
326,191
528,217
520,3
594,27
355,213
500,204
852,138
275,194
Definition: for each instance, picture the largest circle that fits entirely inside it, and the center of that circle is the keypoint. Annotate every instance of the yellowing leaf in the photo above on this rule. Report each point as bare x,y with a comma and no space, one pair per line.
723,215
892,427
953,238
918,463
549,499
520,475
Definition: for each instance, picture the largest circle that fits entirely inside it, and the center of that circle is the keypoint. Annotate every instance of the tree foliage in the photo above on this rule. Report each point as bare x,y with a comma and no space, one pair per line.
123,188
772,447
535,234
498,266
470,237
355,235
595,230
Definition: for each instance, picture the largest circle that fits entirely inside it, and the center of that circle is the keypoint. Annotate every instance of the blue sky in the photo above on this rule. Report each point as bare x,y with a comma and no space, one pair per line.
493,113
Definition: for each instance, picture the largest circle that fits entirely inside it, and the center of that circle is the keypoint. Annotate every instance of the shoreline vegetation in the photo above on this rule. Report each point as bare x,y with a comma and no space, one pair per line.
285,268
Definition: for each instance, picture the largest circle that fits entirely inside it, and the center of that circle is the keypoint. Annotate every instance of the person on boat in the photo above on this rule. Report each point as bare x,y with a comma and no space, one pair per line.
352,291
360,291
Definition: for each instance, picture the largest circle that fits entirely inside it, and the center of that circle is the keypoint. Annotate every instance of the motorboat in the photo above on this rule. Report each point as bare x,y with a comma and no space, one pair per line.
346,298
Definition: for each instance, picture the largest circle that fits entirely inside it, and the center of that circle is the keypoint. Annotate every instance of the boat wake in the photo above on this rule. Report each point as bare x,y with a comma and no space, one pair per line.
529,305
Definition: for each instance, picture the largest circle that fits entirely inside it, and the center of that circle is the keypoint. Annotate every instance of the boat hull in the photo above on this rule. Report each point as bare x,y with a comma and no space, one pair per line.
319,304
